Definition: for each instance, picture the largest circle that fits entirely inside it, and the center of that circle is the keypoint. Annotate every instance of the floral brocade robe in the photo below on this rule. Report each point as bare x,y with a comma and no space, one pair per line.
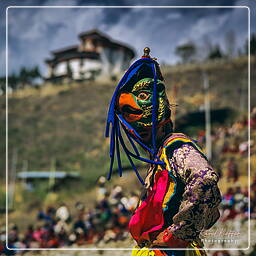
190,198
197,194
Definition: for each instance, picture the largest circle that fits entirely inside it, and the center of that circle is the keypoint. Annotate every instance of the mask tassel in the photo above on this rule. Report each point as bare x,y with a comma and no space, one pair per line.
129,157
137,156
132,143
118,152
112,152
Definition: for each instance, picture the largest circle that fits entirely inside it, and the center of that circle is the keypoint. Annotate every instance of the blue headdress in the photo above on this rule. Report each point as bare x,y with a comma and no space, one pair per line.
117,122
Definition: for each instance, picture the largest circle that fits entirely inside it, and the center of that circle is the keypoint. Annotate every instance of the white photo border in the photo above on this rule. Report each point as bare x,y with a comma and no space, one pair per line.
127,249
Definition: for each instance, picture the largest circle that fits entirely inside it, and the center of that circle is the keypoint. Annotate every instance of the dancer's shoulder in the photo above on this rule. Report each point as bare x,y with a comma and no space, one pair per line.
179,141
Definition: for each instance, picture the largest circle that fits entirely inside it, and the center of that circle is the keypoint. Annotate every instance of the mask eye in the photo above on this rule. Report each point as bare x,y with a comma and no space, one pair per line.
143,96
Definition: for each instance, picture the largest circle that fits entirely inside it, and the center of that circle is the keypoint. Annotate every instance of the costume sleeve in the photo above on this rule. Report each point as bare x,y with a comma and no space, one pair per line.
198,209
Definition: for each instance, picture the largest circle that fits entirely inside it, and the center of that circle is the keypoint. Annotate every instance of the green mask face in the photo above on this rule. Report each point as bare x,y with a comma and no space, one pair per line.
136,103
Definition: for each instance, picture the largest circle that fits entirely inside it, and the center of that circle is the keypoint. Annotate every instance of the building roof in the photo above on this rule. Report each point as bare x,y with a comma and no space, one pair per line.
94,33
61,51
68,55
47,175
107,41
72,52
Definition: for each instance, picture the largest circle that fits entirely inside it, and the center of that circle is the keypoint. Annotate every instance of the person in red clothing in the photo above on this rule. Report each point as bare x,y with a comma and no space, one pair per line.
232,170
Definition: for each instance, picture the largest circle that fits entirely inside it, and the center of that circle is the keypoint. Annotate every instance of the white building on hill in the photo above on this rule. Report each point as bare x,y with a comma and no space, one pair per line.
97,56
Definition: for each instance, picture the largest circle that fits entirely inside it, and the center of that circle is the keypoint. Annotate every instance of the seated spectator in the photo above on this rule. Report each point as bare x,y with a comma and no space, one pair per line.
133,202
13,233
232,170
79,224
101,188
63,213
253,118
60,225
229,213
29,235
228,198
37,234
51,240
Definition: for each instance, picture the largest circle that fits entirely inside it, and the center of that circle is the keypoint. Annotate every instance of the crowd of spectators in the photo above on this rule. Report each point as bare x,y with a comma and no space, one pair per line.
56,227
230,146
230,149
235,203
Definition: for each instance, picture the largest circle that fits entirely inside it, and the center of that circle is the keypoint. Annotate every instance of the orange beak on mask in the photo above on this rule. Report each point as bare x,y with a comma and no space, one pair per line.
129,107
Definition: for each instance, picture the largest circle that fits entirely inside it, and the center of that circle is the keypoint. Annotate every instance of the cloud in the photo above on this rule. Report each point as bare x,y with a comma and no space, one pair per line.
207,25
33,33
45,30
173,16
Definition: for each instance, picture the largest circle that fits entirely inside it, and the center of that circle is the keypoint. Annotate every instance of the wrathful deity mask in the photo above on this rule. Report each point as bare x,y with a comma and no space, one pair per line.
135,104
140,108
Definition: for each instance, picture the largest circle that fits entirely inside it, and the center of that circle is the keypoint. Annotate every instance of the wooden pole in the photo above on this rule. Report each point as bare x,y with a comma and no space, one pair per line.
25,169
174,95
11,190
52,176
207,109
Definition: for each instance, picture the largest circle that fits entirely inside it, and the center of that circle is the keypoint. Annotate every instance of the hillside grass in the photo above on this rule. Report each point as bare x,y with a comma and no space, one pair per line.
65,124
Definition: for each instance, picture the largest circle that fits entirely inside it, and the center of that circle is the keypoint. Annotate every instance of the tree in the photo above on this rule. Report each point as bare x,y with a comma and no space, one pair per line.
252,45
28,76
186,52
24,76
34,76
13,81
35,73
216,53
2,85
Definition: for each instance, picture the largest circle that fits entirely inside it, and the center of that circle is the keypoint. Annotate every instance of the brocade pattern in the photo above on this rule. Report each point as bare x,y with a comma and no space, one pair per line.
198,209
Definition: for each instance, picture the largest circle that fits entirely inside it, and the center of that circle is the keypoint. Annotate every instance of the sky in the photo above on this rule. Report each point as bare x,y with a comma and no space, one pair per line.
34,32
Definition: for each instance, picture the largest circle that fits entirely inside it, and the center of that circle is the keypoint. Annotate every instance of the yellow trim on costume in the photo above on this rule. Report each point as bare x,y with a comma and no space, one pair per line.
168,195
137,251
181,138
163,157
198,250
145,251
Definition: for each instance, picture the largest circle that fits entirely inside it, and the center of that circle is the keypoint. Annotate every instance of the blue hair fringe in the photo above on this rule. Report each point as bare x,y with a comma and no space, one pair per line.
115,119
